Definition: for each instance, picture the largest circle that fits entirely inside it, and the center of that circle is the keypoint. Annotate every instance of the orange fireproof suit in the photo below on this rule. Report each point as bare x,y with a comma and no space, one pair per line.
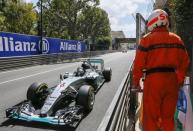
163,55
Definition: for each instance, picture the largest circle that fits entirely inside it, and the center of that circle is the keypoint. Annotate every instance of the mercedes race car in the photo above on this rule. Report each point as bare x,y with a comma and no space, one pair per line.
66,103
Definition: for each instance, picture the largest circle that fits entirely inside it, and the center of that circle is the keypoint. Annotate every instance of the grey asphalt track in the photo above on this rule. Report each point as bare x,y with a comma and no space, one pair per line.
14,84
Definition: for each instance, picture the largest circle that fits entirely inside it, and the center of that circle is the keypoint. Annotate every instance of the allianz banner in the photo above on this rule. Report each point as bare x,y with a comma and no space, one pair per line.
12,44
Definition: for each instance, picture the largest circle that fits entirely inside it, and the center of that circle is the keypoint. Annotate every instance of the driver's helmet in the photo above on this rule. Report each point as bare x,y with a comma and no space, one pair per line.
85,66
80,71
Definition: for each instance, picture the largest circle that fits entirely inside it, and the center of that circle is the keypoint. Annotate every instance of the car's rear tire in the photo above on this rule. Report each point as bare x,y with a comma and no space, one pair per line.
36,93
86,97
107,73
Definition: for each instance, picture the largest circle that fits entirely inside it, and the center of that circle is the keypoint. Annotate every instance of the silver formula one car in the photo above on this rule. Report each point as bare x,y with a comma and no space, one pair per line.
66,103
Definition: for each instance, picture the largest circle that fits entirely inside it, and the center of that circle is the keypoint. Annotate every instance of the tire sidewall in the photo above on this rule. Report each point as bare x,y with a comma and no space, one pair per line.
107,73
86,97
33,92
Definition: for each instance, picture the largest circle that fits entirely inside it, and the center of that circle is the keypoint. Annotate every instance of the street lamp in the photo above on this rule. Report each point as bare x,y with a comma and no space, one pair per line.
89,43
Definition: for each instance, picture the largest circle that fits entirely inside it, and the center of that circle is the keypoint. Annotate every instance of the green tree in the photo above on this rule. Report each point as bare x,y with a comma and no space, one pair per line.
94,22
183,12
19,17
2,22
74,19
61,16
103,43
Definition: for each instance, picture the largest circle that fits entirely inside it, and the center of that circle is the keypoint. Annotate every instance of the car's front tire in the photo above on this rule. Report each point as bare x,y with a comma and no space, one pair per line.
107,73
36,93
86,97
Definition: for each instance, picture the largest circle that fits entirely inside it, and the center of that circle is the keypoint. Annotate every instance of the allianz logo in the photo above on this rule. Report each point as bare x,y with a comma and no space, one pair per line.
45,46
8,44
65,46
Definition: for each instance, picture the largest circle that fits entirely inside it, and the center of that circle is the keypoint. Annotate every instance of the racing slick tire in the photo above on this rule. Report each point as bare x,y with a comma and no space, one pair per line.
36,93
86,97
107,73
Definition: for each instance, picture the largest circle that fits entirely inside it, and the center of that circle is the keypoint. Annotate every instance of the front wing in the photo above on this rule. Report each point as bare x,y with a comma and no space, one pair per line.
68,116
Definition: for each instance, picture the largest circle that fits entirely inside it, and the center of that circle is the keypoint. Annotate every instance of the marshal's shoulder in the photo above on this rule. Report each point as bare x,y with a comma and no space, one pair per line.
146,35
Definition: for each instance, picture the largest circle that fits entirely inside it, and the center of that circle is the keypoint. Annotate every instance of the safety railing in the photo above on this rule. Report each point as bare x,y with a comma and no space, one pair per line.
120,115
18,62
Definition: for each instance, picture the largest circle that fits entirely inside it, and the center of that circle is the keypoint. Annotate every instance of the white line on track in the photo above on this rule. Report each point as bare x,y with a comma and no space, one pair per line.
34,74
24,77
19,69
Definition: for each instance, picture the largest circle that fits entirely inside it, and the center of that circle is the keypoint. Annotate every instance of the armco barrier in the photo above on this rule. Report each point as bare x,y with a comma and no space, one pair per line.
7,63
120,115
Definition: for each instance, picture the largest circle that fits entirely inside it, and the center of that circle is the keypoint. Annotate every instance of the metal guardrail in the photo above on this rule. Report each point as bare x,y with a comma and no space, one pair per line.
120,115
7,63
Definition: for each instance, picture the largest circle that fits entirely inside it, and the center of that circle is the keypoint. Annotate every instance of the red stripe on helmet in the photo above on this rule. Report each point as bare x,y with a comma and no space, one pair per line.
152,21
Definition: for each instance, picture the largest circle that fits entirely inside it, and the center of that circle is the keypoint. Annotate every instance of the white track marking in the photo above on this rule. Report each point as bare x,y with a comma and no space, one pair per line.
19,69
34,75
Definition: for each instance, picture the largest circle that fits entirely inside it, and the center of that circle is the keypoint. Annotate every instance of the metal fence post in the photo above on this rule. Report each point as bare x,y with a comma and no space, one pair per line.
137,28
141,28
191,74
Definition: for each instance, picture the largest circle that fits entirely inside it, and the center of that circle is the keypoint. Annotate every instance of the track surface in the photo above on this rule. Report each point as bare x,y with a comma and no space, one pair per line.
14,84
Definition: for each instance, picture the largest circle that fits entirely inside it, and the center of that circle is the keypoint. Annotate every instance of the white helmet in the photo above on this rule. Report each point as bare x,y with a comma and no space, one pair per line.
157,18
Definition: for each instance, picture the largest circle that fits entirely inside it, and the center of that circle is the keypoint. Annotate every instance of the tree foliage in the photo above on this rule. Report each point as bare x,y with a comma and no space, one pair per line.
183,12
67,19
103,43
18,16
94,22
63,16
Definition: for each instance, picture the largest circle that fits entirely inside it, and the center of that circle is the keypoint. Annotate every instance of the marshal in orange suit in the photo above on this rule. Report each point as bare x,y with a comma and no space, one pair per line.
164,58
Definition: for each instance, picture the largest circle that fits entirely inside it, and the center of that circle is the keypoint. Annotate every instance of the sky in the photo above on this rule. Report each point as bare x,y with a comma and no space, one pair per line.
122,12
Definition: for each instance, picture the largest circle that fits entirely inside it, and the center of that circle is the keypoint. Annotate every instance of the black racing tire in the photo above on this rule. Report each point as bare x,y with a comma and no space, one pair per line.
107,73
35,92
86,97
